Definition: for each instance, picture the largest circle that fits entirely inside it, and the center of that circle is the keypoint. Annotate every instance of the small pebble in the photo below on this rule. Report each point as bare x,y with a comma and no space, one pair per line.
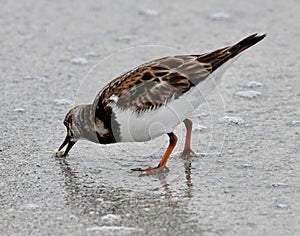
232,120
28,77
11,210
73,217
201,115
19,110
230,151
100,200
219,16
296,122
62,101
278,185
226,191
248,94
111,219
247,166
281,206
200,128
91,54
113,230
125,38
79,61
149,12
254,84
30,206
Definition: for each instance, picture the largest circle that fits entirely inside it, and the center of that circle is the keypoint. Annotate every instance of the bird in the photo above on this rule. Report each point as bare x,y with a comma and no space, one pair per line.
151,100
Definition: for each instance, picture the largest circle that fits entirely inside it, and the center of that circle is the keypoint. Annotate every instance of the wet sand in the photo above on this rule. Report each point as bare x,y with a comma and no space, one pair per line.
244,179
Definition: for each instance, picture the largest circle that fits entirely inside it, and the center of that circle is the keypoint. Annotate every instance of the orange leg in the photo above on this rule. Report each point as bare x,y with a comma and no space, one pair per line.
187,151
163,162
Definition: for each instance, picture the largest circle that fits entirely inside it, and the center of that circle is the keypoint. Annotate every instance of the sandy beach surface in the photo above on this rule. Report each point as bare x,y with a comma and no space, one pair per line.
244,179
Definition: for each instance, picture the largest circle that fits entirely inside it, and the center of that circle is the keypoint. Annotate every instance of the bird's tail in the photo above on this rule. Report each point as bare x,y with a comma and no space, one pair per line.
221,56
244,44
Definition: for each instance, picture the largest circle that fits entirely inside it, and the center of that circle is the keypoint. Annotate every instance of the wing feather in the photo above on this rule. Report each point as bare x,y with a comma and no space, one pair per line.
153,84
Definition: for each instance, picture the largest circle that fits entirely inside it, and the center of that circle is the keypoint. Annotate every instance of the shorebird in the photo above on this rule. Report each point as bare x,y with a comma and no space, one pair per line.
151,100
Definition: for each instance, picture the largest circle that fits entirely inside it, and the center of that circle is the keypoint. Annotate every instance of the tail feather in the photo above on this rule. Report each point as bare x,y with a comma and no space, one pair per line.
244,44
220,56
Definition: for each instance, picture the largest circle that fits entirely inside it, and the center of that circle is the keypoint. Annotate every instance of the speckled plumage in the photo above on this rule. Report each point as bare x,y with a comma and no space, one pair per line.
150,85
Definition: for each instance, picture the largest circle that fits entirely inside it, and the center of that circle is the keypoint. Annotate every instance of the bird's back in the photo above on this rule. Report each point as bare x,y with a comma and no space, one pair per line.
154,98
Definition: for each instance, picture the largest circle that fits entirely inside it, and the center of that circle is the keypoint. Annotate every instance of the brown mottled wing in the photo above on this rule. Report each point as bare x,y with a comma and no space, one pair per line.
153,84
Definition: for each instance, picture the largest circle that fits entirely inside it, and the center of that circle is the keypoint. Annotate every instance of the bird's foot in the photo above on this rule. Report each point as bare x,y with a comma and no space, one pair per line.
187,152
152,170
60,154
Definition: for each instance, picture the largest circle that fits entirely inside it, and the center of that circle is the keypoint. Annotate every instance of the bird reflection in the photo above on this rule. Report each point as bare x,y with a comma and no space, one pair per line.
188,173
163,177
89,197
71,179
188,177
76,186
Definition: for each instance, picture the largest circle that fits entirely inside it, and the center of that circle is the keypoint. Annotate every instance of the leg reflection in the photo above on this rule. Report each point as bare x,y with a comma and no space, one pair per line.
164,183
188,174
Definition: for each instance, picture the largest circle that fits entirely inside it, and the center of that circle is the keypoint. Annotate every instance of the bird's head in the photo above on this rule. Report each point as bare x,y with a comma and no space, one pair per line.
73,129
81,123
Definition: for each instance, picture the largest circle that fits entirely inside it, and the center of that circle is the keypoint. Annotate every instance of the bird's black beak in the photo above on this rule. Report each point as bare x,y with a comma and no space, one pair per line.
70,145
